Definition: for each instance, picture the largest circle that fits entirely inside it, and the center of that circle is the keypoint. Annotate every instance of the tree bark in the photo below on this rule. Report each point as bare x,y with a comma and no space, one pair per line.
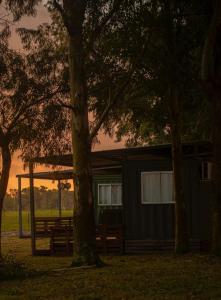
6,164
216,175
85,252
211,78
175,116
181,226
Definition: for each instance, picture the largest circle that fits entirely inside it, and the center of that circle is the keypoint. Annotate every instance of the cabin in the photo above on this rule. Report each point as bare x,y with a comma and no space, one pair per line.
133,197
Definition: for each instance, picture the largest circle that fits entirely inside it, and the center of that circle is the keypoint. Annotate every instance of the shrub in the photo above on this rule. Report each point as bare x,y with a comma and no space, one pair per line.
10,268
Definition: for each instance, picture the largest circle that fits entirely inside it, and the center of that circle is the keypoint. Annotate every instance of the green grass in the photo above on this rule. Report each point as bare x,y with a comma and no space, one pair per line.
146,277
10,218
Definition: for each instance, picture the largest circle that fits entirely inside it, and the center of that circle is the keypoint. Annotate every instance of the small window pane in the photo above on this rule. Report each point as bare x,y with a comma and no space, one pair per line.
104,194
150,187
166,187
116,194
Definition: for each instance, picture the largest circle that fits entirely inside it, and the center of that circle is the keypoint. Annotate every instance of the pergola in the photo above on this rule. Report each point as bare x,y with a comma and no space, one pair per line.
53,176
102,162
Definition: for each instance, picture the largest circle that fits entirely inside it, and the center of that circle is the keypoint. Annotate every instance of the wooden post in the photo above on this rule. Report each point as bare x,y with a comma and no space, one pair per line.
20,232
32,209
59,197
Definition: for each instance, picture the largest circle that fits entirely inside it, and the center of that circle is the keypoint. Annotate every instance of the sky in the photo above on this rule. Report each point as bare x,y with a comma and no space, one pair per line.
17,165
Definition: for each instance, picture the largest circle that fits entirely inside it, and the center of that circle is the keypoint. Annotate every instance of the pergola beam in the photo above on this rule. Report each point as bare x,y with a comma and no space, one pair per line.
32,208
59,198
20,233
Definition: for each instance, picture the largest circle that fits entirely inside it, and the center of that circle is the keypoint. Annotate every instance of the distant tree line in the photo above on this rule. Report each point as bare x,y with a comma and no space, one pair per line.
44,199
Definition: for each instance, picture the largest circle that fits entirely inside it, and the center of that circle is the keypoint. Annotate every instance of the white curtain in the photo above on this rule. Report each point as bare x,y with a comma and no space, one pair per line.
166,187
150,184
116,194
157,187
104,194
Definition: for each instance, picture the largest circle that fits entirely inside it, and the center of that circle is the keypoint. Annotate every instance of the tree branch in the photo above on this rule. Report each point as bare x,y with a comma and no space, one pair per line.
208,60
108,17
111,103
25,107
98,30
3,138
64,105
60,9
114,100
3,119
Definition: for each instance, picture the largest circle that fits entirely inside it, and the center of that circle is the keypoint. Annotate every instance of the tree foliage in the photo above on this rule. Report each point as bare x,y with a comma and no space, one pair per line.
143,115
32,89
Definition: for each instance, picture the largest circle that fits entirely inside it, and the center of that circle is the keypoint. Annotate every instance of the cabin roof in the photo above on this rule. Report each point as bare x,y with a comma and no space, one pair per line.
117,156
114,159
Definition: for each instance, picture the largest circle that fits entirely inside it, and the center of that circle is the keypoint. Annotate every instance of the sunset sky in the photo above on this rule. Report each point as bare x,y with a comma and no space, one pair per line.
17,164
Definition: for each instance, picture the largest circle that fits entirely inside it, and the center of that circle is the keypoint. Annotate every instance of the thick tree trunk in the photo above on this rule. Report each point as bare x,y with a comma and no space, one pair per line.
211,77
181,226
85,252
216,175
6,164
174,103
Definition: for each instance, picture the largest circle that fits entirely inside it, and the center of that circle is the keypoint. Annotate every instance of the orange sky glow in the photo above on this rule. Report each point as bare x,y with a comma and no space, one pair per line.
17,167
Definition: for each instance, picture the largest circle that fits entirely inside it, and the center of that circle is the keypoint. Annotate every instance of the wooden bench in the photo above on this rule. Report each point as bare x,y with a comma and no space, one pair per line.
109,239
43,225
61,241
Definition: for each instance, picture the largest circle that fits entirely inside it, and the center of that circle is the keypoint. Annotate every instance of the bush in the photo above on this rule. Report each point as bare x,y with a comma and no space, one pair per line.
10,268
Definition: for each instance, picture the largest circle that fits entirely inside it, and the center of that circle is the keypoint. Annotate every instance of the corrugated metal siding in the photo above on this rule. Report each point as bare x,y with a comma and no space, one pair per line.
192,188
205,210
145,221
157,221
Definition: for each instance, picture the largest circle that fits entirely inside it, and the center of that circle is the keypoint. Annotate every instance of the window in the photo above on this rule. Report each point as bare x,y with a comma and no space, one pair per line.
157,187
110,194
206,171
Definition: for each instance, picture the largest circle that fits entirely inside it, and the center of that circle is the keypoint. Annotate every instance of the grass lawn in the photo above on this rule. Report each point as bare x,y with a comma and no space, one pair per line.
10,218
146,277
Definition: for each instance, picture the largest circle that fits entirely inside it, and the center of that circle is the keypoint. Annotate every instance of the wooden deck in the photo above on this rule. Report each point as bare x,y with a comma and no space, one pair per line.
109,239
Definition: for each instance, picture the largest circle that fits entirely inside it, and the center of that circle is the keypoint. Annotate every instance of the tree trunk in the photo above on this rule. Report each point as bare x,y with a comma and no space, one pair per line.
216,175
6,164
174,105
181,227
211,77
85,252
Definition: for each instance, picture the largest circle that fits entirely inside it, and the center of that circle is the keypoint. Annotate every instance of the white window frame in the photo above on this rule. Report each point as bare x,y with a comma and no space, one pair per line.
142,196
109,184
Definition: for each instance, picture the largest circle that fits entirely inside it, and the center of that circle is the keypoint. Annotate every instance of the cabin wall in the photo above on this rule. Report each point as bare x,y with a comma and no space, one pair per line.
205,212
157,221
145,221
192,196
